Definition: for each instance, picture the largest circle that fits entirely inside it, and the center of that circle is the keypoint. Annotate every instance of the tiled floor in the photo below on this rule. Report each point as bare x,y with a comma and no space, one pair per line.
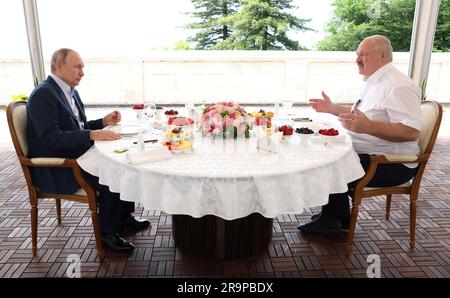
290,254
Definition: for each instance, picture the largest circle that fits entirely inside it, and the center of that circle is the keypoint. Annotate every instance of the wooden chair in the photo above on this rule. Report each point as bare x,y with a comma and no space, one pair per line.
17,121
431,116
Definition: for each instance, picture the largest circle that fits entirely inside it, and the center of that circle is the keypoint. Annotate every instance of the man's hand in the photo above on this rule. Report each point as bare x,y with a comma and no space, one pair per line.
394,132
326,106
322,105
112,118
357,122
103,135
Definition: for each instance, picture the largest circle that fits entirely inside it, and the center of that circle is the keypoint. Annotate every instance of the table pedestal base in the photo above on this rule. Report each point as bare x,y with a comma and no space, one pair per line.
212,236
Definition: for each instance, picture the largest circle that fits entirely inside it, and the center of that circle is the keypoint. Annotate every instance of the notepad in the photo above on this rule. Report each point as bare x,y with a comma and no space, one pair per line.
121,150
150,155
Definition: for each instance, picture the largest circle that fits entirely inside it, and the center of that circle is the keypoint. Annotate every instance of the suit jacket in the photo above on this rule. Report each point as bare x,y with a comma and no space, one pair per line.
53,131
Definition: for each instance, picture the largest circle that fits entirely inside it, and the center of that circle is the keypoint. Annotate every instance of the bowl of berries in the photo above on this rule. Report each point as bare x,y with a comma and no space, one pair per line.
139,110
328,133
139,106
287,131
304,133
171,113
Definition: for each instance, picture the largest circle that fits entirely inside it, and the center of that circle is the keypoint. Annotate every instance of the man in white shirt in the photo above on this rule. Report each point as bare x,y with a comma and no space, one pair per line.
385,121
57,127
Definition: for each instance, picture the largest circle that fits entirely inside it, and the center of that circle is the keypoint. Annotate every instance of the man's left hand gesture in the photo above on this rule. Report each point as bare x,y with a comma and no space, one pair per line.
112,118
357,122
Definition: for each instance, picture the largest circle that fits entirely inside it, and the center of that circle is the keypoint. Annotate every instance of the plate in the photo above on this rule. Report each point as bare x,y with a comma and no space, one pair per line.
127,129
190,150
318,138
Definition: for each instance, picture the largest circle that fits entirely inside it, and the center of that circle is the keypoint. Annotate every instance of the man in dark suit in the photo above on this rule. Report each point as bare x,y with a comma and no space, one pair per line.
57,127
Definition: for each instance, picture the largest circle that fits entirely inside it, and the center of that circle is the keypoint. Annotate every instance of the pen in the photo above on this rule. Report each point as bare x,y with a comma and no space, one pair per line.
147,141
354,106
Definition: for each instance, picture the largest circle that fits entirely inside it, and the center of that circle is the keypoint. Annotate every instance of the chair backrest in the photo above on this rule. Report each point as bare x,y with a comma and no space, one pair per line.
16,114
431,116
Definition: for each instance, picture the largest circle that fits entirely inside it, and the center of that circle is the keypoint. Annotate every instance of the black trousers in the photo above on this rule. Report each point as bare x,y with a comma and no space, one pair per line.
111,208
338,206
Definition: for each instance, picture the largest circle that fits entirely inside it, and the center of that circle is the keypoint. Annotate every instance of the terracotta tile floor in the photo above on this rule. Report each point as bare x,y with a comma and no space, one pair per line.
290,254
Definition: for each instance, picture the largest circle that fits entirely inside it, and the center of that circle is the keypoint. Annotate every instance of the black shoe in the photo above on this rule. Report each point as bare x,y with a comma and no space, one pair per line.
321,225
315,215
131,224
114,242
345,223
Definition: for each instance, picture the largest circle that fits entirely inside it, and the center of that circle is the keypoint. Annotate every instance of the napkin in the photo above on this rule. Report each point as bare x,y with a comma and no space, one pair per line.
149,155
329,139
266,142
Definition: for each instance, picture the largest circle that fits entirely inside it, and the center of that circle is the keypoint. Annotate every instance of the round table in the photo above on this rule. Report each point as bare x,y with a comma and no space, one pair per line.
224,195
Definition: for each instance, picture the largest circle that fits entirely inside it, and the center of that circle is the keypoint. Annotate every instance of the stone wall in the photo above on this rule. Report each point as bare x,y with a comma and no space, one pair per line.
205,76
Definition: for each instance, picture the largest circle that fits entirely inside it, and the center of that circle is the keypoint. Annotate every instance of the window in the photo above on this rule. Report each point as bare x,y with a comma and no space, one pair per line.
437,87
126,49
15,72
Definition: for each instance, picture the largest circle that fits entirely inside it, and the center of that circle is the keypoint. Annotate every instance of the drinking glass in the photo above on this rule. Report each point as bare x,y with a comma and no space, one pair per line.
190,109
289,111
150,110
139,115
287,104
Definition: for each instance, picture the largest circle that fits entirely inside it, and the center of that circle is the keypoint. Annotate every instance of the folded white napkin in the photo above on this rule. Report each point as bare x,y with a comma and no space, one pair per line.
268,143
149,155
330,139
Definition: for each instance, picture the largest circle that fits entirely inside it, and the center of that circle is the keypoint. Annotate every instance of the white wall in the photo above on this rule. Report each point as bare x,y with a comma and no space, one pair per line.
205,76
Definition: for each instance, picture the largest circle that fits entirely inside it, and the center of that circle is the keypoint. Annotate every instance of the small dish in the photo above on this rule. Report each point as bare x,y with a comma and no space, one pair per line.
127,129
304,138
182,151
285,138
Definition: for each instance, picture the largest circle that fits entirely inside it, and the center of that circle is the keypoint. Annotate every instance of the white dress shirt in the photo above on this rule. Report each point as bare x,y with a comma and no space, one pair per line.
68,92
388,95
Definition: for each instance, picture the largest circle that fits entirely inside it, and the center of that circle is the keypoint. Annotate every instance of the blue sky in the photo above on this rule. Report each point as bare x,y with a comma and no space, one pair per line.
102,28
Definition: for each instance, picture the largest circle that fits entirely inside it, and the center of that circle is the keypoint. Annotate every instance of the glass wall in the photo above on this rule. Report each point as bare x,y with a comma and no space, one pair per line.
135,51
437,87
348,23
15,71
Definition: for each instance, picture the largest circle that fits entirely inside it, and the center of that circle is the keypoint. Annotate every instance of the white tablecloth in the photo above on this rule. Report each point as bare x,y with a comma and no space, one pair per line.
228,178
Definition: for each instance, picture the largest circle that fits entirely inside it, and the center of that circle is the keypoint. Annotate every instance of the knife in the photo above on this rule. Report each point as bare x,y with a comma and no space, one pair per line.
147,141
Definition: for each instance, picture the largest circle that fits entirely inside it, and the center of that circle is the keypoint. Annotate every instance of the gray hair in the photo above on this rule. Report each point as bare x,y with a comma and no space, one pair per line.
59,56
382,43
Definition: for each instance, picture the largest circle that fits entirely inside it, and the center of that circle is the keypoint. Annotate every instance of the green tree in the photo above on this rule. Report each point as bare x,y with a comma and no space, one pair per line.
353,20
442,36
263,25
356,19
211,30
181,45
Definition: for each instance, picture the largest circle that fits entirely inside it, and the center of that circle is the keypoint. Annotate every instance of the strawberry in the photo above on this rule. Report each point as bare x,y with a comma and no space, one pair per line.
287,130
171,112
329,132
138,106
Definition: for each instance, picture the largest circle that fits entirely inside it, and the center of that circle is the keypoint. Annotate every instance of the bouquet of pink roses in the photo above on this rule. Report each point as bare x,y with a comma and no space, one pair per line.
225,118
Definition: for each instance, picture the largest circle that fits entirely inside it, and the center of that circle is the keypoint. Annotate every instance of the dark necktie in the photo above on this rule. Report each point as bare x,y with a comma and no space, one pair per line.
74,107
